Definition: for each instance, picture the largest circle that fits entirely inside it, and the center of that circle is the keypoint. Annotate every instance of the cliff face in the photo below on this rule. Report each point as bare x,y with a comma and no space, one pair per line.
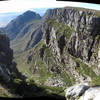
85,31
6,56
70,45
7,66
78,35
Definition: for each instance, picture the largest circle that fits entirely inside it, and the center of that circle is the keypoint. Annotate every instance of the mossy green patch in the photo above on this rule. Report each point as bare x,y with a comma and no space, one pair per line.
61,29
67,79
54,90
17,81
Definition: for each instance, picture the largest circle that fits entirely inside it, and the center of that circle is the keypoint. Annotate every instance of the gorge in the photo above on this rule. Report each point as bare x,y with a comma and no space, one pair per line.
55,51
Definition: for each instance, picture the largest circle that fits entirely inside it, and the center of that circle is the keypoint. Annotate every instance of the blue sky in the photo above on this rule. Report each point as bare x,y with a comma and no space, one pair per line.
12,8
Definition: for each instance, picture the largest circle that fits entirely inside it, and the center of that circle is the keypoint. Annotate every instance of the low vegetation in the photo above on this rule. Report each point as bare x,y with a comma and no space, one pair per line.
84,70
61,29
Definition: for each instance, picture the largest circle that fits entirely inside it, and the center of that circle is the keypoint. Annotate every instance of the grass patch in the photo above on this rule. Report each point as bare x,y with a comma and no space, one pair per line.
67,79
54,90
60,28
83,68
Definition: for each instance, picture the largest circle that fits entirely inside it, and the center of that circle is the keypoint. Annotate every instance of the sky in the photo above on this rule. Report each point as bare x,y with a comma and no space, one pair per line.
12,8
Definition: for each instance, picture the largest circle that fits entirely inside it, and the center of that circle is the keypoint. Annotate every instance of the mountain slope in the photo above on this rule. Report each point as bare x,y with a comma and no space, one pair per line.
12,83
69,49
21,41
30,34
14,27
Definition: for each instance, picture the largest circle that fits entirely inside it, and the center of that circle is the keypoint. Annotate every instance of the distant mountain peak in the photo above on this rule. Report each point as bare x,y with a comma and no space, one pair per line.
13,28
29,13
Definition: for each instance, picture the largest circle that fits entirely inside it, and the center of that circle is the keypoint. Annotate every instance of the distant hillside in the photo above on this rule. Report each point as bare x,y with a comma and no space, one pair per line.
30,34
14,27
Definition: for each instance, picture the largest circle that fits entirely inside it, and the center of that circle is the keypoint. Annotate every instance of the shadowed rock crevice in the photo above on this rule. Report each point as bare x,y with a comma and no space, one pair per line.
61,44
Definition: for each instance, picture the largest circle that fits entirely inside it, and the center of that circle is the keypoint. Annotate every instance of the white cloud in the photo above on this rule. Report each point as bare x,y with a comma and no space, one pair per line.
15,6
22,5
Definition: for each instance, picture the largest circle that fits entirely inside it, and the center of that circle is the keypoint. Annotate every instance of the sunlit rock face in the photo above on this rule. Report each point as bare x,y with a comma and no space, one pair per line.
76,90
91,94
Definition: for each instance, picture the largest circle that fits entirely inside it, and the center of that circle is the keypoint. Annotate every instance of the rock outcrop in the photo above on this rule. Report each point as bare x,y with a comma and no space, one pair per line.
7,65
76,90
6,56
54,82
85,26
92,93
82,91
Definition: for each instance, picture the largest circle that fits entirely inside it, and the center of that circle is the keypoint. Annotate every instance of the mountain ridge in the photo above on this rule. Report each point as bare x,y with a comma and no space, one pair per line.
13,27
28,32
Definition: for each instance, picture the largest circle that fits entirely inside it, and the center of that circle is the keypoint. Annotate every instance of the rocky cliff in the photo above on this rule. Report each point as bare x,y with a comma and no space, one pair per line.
8,70
6,56
69,49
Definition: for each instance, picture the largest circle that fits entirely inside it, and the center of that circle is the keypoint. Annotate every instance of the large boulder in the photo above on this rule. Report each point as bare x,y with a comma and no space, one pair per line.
91,94
76,90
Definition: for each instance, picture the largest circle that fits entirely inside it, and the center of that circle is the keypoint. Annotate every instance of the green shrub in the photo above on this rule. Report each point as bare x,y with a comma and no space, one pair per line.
30,81
17,81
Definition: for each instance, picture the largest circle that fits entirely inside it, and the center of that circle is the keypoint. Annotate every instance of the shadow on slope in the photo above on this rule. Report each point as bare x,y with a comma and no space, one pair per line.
20,88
